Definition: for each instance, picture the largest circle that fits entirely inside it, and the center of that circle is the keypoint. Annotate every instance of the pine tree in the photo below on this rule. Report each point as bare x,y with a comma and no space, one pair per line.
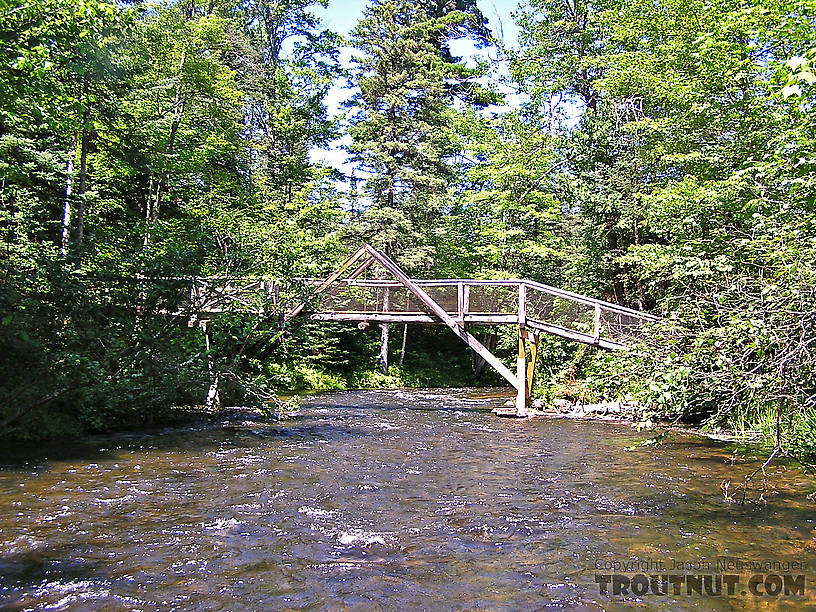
401,134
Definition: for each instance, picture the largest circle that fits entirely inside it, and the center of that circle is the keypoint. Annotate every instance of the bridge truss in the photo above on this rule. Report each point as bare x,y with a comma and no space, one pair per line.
533,307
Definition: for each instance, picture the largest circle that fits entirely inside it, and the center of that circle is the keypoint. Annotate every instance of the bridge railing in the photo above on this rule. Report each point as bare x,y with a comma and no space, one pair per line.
486,302
472,301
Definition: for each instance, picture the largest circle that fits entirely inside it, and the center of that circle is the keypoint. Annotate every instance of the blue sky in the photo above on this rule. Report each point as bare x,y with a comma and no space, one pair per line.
342,15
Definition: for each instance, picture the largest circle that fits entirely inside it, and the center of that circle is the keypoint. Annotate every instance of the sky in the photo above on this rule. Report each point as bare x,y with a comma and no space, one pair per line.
342,15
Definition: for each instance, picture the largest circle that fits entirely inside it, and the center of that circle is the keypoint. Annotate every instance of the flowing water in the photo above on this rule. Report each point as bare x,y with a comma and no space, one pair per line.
381,500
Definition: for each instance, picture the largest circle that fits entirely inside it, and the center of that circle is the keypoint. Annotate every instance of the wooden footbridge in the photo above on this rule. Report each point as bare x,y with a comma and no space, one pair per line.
457,303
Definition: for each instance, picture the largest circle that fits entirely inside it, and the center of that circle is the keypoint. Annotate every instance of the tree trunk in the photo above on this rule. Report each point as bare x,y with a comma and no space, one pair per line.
384,347
489,341
213,399
83,170
148,205
402,350
384,327
154,201
66,208
641,295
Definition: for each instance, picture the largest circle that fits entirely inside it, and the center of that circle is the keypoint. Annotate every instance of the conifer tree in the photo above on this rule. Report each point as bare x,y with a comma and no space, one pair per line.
401,132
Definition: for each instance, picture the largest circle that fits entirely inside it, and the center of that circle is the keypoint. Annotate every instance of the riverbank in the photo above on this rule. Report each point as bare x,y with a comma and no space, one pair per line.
630,413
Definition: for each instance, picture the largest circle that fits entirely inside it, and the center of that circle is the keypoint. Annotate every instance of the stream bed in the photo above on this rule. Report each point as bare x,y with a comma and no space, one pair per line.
379,500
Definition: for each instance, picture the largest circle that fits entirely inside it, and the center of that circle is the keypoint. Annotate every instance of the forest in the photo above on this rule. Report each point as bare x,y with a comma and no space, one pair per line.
657,154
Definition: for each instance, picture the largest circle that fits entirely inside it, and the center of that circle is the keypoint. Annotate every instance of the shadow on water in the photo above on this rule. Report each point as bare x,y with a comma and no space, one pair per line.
229,428
32,568
218,435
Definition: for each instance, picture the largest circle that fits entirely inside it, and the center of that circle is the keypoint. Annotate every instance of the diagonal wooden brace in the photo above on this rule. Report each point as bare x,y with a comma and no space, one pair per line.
329,280
459,330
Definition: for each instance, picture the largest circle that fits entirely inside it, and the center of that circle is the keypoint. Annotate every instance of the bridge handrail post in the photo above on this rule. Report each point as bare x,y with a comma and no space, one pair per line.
596,325
460,301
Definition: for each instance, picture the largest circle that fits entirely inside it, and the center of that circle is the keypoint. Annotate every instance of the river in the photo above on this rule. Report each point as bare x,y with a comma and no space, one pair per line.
393,500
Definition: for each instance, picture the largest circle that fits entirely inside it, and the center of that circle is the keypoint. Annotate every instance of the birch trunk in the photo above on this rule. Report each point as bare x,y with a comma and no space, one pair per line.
66,208
83,170
384,334
402,350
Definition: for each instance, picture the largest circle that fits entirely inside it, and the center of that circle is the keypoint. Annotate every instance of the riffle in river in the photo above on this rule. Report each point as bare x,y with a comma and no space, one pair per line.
398,500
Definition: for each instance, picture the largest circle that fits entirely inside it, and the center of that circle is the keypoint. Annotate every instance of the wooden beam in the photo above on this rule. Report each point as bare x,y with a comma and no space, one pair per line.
410,317
360,269
448,320
375,317
570,334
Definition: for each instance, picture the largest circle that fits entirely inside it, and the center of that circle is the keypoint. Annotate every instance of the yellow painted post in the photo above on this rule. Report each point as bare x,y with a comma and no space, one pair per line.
521,363
521,372
531,365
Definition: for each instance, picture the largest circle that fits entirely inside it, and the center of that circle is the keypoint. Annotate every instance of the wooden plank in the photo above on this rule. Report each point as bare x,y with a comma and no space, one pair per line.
506,411
423,297
570,334
409,317
375,317
491,319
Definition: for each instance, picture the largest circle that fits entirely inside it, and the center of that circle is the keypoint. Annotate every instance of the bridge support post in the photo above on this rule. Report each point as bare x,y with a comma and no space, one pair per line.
522,390
521,373
531,364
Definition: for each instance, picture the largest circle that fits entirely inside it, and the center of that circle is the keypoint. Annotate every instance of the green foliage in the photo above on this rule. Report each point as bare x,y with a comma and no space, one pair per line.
686,136
130,146
663,157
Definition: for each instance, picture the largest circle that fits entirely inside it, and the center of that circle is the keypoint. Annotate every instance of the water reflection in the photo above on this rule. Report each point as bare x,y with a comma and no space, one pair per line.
378,500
